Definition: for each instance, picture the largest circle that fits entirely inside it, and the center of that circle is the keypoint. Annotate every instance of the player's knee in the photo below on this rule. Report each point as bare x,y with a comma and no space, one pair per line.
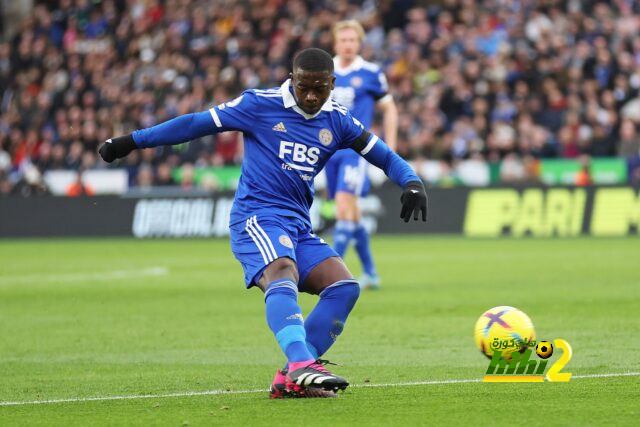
352,292
284,266
342,212
348,213
281,268
347,206
346,290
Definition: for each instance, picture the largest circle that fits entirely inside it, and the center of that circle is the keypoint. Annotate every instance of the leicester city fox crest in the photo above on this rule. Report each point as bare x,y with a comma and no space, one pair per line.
325,137
285,241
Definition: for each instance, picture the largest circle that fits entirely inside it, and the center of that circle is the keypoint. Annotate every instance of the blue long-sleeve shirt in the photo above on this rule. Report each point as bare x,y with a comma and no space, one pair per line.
284,148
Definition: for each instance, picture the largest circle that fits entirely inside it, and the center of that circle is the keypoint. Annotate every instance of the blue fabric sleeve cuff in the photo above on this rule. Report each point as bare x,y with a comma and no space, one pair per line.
394,166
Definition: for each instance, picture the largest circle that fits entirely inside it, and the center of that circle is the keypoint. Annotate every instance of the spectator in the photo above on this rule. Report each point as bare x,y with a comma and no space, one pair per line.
209,182
30,183
187,180
512,169
629,140
163,176
79,188
144,179
478,80
583,177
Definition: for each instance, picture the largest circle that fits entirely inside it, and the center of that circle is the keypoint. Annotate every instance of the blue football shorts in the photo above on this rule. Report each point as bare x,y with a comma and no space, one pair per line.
346,172
261,239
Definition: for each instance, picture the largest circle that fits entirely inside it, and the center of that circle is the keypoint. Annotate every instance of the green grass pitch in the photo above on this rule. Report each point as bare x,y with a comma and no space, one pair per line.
124,318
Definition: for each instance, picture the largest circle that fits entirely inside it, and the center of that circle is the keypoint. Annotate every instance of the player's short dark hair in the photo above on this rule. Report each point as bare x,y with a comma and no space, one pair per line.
313,59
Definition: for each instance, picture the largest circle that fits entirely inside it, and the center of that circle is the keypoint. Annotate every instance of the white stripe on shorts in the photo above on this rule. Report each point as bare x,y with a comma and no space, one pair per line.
255,240
257,226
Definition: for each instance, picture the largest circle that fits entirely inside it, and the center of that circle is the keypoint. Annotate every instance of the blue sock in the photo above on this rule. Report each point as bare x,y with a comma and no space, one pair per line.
342,236
327,319
284,317
364,249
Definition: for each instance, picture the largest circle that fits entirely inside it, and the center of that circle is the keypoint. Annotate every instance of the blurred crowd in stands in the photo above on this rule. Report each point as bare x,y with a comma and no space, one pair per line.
493,80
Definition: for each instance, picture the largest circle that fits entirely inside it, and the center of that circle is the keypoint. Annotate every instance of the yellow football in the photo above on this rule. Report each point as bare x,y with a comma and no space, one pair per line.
505,329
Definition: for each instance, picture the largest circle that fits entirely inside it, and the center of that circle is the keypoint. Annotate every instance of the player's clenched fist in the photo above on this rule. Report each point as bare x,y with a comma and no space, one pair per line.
414,200
116,148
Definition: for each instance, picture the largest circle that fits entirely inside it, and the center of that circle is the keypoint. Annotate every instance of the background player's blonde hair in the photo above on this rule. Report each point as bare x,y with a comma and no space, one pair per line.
349,23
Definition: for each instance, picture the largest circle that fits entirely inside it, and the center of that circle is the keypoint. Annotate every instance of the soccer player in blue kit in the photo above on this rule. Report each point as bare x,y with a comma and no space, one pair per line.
289,134
360,86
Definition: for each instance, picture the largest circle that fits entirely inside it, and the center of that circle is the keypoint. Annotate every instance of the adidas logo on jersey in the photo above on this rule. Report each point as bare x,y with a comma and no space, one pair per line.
279,127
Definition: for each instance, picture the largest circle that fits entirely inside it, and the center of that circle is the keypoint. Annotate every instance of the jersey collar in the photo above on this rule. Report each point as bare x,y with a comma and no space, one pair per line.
354,66
290,102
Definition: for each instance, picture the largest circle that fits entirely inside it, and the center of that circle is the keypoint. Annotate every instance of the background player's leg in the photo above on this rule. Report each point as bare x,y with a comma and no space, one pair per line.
348,216
361,236
338,294
346,211
363,248
284,316
353,182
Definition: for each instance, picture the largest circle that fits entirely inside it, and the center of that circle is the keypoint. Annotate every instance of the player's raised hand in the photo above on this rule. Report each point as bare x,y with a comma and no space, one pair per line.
116,148
414,200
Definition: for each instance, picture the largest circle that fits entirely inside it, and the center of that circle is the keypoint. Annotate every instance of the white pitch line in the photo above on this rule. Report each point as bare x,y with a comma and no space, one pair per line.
620,374
218,392
69,277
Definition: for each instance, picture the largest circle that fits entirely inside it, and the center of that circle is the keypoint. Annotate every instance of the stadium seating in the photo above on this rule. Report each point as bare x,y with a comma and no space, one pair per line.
486,93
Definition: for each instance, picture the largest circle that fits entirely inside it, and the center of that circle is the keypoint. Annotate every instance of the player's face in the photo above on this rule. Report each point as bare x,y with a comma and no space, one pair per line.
312,89
347,44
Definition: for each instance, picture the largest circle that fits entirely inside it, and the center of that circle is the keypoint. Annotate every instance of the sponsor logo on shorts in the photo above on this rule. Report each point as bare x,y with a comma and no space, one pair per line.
285,241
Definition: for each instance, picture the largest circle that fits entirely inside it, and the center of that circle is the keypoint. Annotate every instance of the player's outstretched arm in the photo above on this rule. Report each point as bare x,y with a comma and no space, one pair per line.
376,152
175,131
238,114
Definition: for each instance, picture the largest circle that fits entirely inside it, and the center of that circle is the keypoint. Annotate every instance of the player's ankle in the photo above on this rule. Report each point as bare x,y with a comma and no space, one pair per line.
292,366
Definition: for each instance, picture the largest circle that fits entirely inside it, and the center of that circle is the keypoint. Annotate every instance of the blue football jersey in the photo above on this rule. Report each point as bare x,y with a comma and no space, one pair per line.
359,87
284,149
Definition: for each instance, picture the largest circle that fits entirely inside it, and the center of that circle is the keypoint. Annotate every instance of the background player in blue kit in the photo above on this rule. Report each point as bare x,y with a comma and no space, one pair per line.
289,134
360,86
